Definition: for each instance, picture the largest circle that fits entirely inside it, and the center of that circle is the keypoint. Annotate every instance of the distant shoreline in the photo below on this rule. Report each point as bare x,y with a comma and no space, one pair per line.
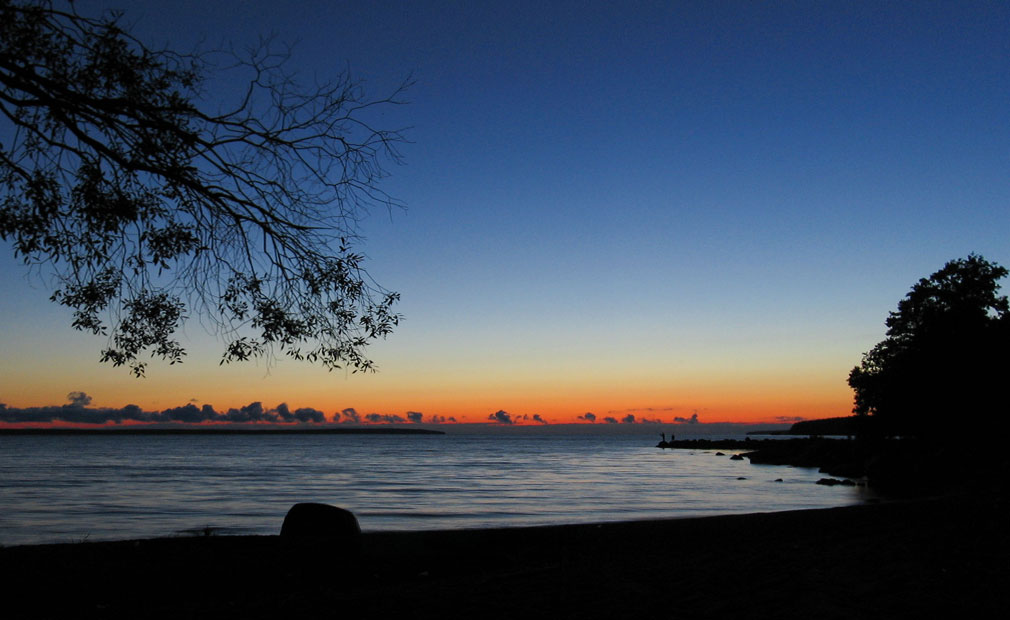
218,431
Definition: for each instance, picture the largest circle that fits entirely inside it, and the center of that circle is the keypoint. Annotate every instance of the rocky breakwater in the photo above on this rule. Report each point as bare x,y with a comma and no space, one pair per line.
837,457
900,466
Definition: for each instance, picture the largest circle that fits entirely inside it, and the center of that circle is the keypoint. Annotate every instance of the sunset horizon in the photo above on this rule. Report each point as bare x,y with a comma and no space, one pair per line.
260,412
666,208
504,309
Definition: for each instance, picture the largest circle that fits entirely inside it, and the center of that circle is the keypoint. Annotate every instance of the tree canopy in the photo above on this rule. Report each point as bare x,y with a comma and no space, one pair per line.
147,203
945,357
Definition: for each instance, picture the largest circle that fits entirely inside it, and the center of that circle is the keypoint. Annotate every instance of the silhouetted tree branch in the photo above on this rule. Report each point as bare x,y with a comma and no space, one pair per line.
147,206
945,357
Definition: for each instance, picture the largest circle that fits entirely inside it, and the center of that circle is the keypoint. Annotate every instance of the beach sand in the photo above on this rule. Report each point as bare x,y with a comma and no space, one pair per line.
915,558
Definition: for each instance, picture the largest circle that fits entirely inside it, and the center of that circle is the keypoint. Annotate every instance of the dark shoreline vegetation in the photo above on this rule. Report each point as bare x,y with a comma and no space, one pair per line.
900,467
943,362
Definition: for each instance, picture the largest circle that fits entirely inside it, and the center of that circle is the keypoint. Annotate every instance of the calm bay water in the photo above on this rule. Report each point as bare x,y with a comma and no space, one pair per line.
70,488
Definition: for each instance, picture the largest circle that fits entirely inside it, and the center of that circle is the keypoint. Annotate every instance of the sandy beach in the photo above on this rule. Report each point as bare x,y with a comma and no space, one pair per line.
913,558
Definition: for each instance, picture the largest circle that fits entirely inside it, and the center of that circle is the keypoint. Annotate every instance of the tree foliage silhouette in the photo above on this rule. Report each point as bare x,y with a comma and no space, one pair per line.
945,356
146,207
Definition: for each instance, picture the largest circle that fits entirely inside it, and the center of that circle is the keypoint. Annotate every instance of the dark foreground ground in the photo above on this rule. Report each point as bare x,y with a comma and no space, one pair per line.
921,558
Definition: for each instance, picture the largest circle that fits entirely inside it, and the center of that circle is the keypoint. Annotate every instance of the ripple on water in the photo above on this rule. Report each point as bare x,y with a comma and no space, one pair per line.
69,488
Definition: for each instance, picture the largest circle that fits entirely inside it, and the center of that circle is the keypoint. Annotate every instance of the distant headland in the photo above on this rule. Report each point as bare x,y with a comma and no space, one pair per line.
847,426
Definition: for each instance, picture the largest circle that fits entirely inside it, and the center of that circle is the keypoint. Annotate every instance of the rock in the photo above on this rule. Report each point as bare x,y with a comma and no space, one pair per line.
778,480
736,457
321,521
835,481
720,454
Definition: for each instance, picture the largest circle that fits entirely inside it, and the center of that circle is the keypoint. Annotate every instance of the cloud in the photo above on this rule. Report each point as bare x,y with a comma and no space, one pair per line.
790,418
350,415
631,419
692,420
537,418
387,418
501,417
285,413
185,414
304,414
253,412
65,413
79,399
190,414
641,409
308,414
588,417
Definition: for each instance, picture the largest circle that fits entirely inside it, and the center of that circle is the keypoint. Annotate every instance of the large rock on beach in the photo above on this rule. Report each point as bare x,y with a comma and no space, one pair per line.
321,521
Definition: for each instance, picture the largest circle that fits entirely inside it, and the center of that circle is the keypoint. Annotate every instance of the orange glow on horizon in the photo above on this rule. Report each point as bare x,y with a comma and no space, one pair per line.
729,413
751,397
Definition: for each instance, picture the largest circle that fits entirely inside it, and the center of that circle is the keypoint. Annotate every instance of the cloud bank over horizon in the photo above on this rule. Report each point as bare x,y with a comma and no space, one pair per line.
76,411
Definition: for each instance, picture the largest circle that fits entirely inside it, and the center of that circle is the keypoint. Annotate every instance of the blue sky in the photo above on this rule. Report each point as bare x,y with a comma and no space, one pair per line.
683,205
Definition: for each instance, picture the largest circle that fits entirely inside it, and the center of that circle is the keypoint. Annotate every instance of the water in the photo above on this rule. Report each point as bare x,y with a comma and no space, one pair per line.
72,488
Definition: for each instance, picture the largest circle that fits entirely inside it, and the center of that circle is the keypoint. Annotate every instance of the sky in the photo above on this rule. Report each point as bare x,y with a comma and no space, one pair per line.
656,209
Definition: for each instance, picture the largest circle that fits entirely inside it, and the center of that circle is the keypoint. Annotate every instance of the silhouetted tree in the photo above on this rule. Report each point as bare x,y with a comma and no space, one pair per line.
146,206
945,357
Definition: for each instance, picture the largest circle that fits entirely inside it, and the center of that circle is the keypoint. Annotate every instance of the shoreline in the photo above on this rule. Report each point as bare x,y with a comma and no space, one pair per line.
902,558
